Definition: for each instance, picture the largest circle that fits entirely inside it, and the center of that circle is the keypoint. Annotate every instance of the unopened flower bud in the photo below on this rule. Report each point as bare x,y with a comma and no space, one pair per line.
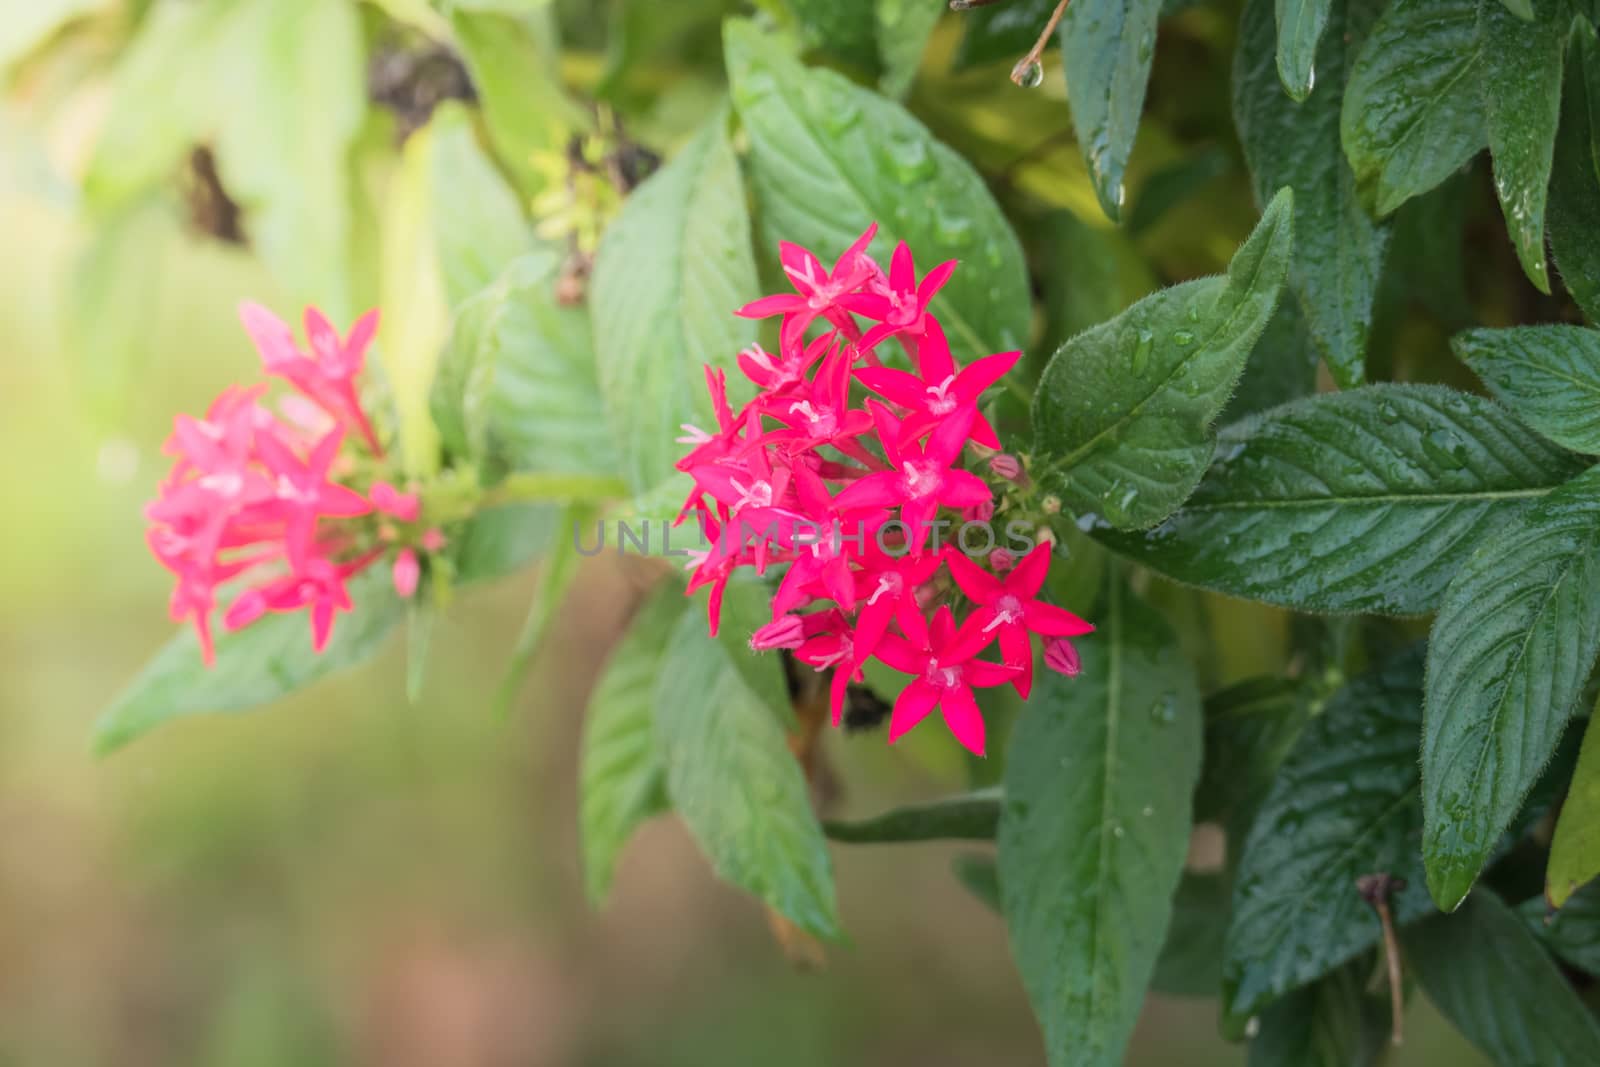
1051,505
433,540
978,512
404,506
406,573
1001,561
1007,466
786,631
1061,657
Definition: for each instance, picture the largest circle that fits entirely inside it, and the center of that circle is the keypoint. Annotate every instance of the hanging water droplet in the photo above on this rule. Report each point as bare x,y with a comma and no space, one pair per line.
1389,412
1028,75
1311,78
1183,338
1141,351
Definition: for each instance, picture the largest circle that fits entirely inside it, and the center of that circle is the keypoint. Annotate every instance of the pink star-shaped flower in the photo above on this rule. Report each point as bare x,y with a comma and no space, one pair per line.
1011,607
945,668
942,387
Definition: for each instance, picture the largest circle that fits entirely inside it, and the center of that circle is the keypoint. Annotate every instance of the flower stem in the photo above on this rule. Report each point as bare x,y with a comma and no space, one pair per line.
1376,889
1031,60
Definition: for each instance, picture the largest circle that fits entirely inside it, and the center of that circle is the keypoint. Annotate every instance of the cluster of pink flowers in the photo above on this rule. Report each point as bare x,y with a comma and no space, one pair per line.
847,496
263,500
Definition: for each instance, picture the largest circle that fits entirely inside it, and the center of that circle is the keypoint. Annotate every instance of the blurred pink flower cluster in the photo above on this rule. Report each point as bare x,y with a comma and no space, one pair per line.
263,500
849,496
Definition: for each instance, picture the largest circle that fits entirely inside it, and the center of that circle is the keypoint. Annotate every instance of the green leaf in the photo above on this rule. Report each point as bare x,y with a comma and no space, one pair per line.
557,572
1300,25
981,877
478,223
845,30
1330,1023
1363,501
1090,275
1250,728
1282,366
969,817
292,80
1574,180
1190,964
671,271
624,778
1573,933
1339,250
1521,79
1106,47
1575,852
1548,375
731,776
1512,645
904,27
1344,805
267,660
1122,416
1485,973
1413,107
515,70
1002,32
827,159
516,387
502,540
1523,9
1095,829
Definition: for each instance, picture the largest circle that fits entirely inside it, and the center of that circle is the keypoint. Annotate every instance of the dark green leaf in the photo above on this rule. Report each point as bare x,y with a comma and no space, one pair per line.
969,817
731,776
1521,79
1573,933
1523,9
828,158
1088,277
981,877
1575,851
1364,501
1250,727
1575,181
672,270
1485,972
1344,805
1122,416
842,29
1282,366
1338,248
1096,827
1513,643
1003,31
1172,185
267,660
1106,47
1190,964
1300,25
1330,1023
1548,375
1413,107
624,777
904,27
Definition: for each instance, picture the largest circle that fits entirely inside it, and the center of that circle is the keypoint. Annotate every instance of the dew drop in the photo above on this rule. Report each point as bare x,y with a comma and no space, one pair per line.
1183,338
1141,351
1029,75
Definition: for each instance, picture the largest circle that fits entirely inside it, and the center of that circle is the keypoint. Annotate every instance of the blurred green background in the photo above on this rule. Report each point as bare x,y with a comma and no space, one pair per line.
354,879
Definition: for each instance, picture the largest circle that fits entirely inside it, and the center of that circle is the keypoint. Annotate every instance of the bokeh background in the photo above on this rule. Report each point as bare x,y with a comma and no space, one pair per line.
353,878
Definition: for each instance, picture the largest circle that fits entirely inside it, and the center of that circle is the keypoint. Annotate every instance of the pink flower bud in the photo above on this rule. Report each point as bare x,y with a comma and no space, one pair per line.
406,573
1061,657
404,506
1007,466
1001,561
786,631
978,512
433,540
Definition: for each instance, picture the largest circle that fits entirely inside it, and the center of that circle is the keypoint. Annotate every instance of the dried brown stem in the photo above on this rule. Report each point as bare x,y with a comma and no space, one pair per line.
1376,889
1019,72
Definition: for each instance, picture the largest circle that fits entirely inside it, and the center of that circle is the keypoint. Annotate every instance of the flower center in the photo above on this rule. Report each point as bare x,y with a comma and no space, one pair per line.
1008,609
923,478
940,402
890,583
940,676
758,495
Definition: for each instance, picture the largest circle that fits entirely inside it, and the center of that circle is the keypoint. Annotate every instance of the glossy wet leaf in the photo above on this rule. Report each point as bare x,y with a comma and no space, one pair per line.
846,30
671,271
1573,932
623,777
516,388
1488,976
1300,25
1122,415
968,817
1282,366
732,778
1575,851
827,159
264,662
1250,728
1333,1022
1344,804
1096,827
1106,48
1574,209
1513,643
904,27
1413,106
1522,93
1339,249
1363,501
1549,376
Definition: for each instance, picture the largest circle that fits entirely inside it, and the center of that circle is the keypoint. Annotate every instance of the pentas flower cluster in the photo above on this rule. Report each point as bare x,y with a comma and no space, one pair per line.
261,500
846,472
